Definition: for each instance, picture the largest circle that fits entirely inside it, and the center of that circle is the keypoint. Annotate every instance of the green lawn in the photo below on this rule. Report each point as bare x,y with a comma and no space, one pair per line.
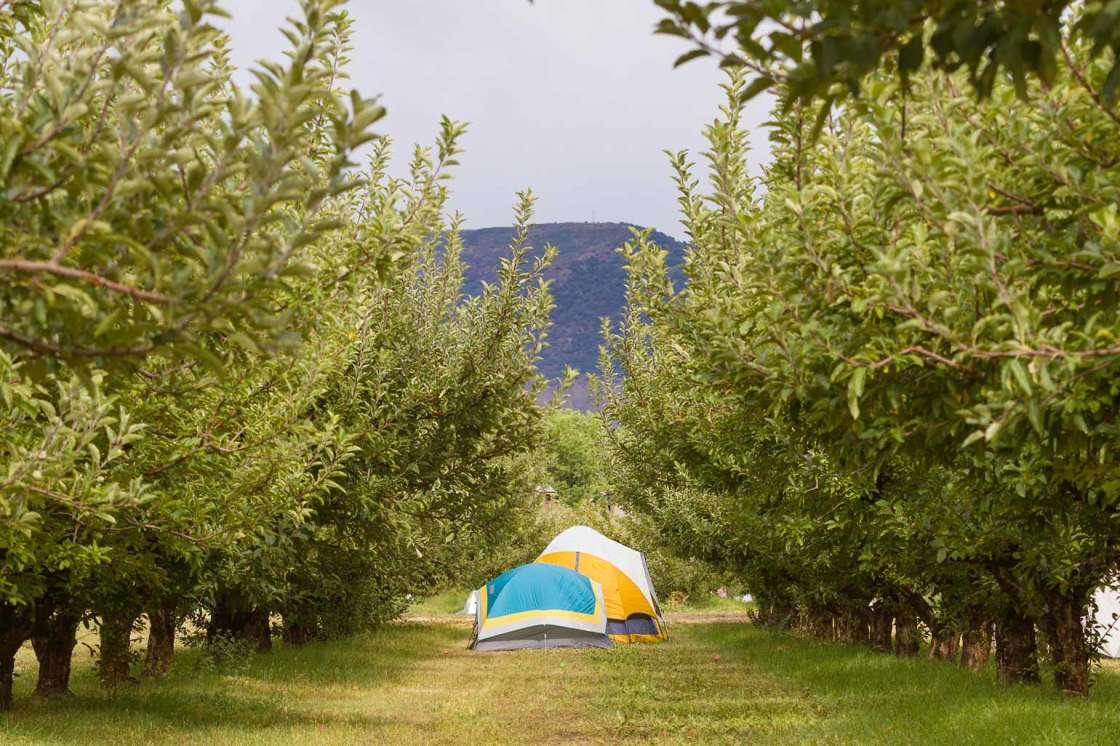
707,603
713,682
444,602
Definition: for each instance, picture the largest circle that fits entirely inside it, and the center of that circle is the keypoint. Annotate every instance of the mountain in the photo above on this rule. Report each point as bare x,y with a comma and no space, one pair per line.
588,283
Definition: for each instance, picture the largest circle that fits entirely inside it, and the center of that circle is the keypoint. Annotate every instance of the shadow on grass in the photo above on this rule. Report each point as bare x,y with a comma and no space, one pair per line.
288,690
870,697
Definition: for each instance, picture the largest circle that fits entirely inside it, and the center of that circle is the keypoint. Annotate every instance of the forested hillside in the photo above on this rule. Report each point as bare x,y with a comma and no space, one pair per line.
588,281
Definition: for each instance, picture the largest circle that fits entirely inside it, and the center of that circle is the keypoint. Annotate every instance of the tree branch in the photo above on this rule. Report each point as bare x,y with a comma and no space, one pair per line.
90,278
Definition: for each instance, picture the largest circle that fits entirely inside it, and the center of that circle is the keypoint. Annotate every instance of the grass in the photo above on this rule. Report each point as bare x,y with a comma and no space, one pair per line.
706,603
867,697
714,682
445,602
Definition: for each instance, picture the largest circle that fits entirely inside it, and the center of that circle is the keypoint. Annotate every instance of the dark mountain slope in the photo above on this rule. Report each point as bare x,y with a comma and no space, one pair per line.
588,281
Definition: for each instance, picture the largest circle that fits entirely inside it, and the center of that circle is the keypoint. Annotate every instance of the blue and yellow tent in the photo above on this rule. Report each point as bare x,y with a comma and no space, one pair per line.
633,614
540,606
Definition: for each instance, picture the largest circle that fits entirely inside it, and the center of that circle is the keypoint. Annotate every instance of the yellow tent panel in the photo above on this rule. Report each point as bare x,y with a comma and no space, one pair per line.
621,596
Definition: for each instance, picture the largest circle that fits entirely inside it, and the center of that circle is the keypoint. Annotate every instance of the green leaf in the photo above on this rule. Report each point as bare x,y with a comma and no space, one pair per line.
855,391
1034,414
689,56
756,86
1109,270
1021,375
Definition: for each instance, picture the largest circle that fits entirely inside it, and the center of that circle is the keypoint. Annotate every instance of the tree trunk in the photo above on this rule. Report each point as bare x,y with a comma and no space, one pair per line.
851,627
906,643
819,624
161,641
881,622
231,617
15,628
116,647
943,644
223,617
53,638
1016,650
763,611
258,630
300,627
861,629
780,615
976,643
1069,651
297,634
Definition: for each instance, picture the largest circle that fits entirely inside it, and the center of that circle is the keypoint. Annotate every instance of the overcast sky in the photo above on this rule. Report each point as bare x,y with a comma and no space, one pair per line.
573,98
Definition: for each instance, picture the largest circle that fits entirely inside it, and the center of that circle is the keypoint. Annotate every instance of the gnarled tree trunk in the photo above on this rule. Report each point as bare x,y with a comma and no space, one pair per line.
1069,651
232,617
882,620
53,637
906,642
161,640
301,626
819,623
944,643
258,630
777,614
852,627
1016,649
762,611
976,643
861,626
15,628
115,655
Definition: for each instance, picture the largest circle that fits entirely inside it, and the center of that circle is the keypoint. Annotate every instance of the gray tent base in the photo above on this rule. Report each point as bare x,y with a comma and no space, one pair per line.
544,636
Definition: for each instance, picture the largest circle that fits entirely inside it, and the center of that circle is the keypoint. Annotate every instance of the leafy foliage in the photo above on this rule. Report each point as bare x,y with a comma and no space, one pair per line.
240,376
150,201
826,50
575,462
891,377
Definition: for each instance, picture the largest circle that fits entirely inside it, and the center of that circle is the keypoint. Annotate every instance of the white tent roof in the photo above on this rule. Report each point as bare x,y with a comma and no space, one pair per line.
1108,613
630,561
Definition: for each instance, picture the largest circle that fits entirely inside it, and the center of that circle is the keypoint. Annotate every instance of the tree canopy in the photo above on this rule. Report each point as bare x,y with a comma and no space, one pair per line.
826,50
241,381
891,372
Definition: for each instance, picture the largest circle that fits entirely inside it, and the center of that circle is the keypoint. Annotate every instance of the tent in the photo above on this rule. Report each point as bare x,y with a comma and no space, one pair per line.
633,613
470,606
540,606
1108,620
